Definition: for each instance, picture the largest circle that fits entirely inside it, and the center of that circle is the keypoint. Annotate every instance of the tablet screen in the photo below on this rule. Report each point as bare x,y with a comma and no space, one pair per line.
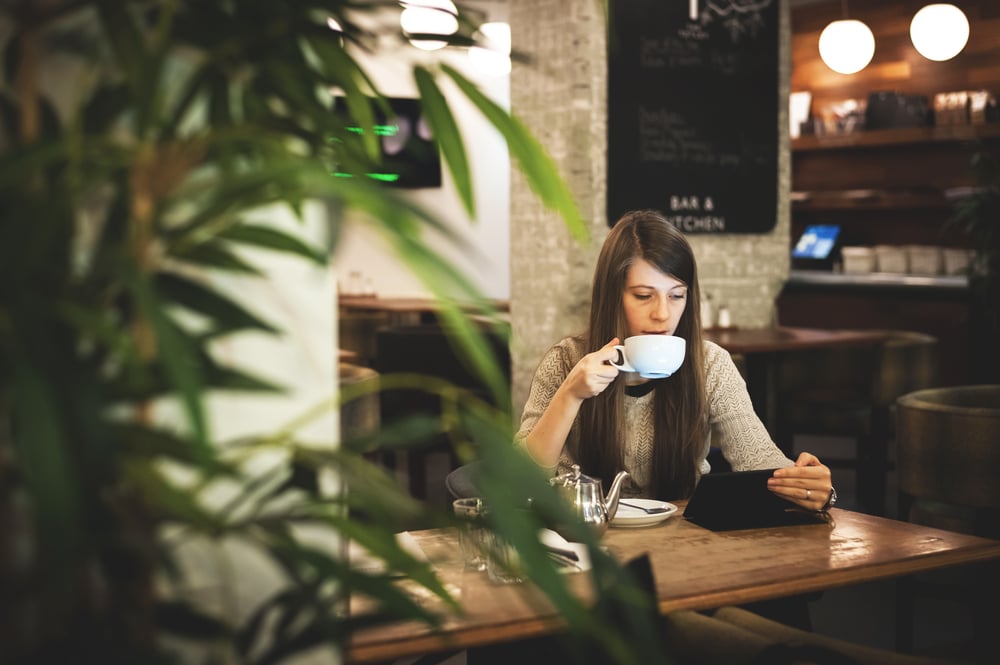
817,242
741,500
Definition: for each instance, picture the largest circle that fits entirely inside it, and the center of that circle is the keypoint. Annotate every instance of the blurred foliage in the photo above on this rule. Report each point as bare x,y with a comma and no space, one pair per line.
176,120
977,217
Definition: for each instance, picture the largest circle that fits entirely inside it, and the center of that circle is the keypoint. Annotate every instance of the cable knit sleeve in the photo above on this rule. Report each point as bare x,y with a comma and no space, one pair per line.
552,370
735,427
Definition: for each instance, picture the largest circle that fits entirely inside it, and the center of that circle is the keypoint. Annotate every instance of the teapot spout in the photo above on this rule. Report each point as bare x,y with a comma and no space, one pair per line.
611,500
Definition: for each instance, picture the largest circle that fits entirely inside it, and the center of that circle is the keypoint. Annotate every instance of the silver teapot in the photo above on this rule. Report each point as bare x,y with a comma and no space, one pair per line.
586,495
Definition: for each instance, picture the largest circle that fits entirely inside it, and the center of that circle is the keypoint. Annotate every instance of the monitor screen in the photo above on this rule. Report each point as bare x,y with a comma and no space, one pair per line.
817,242
410,156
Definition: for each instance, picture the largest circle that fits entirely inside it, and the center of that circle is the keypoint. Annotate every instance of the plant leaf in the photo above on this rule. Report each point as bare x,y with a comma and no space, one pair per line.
182,367
225,314
446,134
541,171
214,255
267,238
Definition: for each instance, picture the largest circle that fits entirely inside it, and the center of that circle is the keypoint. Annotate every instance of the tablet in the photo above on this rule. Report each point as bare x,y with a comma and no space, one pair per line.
818,248
817,242
741,500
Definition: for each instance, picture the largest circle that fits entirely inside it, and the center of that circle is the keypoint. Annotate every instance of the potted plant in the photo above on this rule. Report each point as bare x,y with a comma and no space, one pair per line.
178,120
977,216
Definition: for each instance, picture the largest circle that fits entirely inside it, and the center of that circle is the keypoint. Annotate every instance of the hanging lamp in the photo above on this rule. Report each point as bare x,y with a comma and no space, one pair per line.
429,17
847,45
939,31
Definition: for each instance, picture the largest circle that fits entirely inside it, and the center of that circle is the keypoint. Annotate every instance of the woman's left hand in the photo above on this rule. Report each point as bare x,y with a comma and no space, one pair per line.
806,484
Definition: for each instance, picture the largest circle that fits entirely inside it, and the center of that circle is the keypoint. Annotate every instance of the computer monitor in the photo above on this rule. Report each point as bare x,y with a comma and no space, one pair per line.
817,247
410,156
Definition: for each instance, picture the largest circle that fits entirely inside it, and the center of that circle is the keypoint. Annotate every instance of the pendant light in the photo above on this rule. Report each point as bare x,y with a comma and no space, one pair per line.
846,46
429,17
939,31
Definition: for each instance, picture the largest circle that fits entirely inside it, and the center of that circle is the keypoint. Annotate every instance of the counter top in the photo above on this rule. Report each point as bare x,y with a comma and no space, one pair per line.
820,277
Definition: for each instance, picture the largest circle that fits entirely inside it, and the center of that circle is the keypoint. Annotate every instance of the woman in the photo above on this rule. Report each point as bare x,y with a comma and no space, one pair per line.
579,409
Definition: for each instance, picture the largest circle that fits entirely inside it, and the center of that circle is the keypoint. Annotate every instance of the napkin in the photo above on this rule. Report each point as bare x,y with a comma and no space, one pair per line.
550,538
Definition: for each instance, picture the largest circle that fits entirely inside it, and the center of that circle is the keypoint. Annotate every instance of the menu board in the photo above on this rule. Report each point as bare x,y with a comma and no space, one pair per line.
693,112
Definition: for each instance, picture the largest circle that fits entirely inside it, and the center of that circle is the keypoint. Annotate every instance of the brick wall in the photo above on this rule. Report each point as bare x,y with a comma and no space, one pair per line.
561,95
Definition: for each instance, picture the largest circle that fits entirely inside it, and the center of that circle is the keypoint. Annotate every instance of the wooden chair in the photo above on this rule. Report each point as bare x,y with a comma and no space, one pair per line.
851,392
735,636
356,332
948,469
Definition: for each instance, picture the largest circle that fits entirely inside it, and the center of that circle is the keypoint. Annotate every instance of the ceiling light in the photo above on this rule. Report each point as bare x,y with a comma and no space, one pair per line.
939,31
847,46
429,17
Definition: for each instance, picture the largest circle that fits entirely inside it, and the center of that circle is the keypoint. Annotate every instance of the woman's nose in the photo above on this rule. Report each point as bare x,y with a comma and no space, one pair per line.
662,310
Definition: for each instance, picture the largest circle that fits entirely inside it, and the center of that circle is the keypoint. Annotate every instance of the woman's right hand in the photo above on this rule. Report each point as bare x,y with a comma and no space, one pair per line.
593,373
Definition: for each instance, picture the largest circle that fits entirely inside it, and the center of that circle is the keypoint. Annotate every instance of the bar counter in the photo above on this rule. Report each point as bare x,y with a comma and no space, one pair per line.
878,280
939,305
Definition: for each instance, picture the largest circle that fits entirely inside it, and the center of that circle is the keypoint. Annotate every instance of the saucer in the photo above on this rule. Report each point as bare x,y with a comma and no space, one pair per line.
627,516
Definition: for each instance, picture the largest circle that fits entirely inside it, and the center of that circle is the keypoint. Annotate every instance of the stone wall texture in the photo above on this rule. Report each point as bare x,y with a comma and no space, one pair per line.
561,94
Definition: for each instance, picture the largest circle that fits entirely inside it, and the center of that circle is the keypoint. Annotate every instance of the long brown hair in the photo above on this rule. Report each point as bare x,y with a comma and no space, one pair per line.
679,402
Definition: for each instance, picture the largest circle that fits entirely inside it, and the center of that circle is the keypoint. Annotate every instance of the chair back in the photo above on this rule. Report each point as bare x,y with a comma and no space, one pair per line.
948,442
908,362
359,415
869,375
428,349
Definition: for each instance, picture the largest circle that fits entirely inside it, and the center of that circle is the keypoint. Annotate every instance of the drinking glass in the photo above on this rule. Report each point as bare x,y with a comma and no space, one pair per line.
472,532
503,564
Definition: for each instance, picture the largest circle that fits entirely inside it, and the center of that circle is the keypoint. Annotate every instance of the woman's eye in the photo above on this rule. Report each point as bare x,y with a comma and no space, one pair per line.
679,296
642,296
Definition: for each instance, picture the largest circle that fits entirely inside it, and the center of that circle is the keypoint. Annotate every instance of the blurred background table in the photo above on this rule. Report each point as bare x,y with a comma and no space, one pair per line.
762,348
402,311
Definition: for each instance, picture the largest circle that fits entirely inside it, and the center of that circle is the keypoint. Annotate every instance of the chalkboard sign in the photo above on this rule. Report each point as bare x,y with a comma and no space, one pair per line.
693,112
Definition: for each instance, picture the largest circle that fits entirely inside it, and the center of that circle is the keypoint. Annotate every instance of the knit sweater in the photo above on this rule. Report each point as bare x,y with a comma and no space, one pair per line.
733,425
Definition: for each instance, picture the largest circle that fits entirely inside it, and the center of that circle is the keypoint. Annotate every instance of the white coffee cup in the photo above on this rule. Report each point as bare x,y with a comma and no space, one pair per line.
652,356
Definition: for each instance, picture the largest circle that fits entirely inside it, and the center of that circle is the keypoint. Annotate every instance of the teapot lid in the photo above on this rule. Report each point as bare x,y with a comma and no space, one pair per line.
572,478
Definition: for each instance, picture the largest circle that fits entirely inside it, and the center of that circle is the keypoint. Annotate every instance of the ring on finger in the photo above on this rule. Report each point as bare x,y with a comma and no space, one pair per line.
808,492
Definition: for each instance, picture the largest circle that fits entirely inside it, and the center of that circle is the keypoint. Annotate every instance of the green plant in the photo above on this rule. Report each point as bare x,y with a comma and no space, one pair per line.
179,119
977,217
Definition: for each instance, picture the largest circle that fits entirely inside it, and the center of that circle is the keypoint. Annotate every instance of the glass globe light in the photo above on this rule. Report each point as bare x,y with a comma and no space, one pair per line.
846,46
939,32
430,17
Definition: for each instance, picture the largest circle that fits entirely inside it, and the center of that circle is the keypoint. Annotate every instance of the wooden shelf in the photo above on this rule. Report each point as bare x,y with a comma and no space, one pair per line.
870,199
904,136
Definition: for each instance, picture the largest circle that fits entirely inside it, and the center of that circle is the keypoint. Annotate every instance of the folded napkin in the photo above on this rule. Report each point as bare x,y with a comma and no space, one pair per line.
557,543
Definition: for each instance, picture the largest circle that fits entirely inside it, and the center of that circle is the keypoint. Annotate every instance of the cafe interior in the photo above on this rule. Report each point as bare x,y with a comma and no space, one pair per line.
835,167
849,306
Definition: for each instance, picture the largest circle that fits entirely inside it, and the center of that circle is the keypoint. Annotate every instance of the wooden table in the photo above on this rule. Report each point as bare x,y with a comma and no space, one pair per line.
694,569
762,348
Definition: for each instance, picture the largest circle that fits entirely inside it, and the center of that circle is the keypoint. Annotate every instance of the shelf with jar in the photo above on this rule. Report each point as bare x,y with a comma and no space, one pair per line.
874,138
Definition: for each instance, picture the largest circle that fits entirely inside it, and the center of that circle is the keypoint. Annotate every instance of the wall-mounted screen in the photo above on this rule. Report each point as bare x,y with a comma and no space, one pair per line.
410,156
